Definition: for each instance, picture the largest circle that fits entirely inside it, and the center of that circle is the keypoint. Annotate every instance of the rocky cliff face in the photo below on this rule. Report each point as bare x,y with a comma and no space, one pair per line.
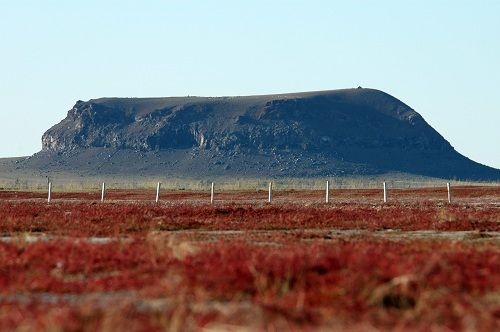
360,119
348,131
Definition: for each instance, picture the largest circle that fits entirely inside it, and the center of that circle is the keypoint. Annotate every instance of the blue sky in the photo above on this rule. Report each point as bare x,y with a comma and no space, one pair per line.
440,57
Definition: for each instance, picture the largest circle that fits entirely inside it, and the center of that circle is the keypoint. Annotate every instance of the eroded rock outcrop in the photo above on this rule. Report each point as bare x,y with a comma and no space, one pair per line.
365,128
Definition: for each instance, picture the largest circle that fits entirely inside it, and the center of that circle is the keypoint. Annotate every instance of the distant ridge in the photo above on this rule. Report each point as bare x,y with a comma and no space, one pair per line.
324,133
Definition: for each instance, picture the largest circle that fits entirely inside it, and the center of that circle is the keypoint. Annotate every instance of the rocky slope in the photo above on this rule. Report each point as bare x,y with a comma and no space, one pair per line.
328,133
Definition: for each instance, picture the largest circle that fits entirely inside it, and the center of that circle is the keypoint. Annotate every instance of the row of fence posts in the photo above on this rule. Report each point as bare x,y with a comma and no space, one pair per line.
270,196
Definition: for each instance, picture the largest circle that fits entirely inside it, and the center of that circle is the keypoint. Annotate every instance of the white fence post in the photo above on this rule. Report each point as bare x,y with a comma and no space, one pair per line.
158,192
212,194
270,198
448,187
327,197
103,191
385,192
49,198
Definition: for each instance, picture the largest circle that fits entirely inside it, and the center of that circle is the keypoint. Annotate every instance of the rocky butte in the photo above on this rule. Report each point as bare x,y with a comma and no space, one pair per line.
328,133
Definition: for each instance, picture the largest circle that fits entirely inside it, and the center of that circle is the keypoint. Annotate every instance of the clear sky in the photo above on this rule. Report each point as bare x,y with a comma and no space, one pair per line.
440,57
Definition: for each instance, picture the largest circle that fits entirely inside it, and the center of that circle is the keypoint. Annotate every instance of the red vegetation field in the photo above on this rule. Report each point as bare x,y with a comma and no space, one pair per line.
113,219
461,194
413,264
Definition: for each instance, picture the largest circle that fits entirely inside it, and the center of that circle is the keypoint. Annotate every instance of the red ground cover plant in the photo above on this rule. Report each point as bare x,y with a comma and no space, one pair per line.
111,219
297,264
462,194
413,284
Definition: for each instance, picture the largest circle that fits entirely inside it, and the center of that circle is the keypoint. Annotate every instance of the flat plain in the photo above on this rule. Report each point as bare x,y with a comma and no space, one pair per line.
128,263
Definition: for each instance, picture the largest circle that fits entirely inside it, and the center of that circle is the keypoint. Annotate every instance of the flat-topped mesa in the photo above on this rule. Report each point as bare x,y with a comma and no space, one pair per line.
338,132
316,121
